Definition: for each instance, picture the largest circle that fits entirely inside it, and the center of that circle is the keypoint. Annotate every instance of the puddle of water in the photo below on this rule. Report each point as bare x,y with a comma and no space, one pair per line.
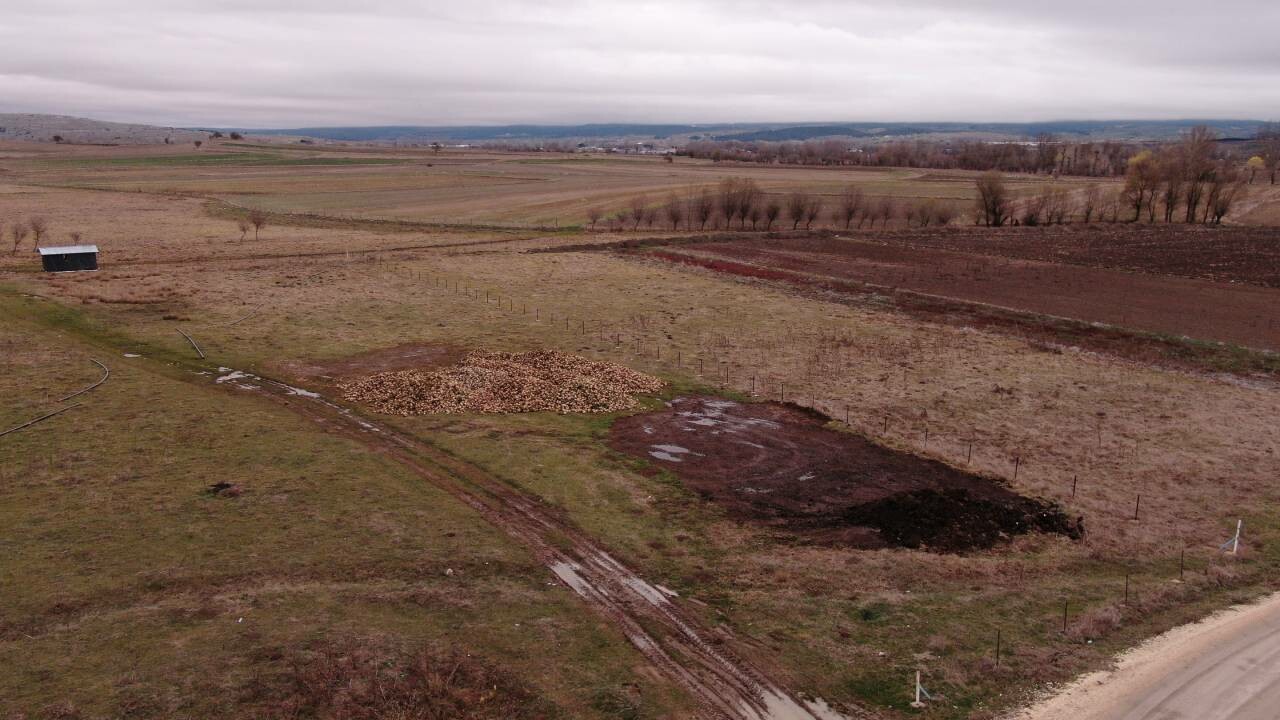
664,456
132,355
778,706
568,574
299,391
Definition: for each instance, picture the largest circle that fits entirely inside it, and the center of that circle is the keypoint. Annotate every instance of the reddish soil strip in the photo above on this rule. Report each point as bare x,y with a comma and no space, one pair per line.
691,655
1225,254
780,466
1241,314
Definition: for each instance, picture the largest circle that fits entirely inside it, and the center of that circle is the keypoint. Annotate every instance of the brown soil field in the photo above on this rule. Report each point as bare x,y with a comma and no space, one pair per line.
781,466
1240,314
1228,253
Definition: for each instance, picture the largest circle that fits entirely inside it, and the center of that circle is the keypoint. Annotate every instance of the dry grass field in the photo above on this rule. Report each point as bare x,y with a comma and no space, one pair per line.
139,592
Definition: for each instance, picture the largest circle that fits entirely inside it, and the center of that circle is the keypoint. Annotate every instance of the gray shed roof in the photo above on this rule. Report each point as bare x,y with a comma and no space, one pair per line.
68,250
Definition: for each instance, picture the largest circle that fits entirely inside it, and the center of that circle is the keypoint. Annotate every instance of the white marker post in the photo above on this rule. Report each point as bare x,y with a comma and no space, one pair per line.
920,691
1235,541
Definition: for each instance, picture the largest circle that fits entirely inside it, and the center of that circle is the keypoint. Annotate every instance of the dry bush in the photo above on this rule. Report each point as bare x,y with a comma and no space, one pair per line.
367,680
1095,623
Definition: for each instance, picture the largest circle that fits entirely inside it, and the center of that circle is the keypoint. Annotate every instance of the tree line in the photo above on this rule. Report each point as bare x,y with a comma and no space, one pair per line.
739,203
1046,154
1185,181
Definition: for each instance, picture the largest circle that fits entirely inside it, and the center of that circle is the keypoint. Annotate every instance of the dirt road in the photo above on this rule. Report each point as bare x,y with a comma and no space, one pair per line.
1226,667
702,661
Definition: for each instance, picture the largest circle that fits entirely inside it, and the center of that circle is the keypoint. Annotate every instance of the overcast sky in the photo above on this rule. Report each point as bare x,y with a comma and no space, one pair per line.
276,63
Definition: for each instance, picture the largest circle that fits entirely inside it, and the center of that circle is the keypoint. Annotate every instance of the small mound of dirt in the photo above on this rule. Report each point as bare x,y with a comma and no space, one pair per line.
490,382
781,467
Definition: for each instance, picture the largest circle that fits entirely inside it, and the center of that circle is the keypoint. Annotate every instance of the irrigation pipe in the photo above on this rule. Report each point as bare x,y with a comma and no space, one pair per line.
193,343
106,373
29,423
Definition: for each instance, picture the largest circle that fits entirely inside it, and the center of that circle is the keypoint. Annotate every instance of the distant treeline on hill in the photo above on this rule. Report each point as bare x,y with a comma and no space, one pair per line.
1046,153
1127,130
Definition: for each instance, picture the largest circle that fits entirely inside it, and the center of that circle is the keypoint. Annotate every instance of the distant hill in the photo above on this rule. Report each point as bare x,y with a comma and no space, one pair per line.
674,133
44,128
488,133
1073,129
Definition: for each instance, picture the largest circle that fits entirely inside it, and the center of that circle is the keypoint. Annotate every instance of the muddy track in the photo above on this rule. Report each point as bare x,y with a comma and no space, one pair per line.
724,683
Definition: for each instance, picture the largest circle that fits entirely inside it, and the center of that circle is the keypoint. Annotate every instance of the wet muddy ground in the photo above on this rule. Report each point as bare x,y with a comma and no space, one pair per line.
780,466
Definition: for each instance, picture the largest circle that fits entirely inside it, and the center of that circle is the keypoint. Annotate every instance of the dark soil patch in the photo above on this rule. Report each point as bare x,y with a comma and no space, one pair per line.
780,466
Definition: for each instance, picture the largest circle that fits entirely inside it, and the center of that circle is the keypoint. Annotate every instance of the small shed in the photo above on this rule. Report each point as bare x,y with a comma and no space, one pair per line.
69,258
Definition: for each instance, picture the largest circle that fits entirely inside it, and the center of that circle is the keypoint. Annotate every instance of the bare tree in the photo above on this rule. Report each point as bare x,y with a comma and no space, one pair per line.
675,210
243,226
1089,203
1254,164
1110,207
886,210
702,207
198,143
920,212
20,231
797,207
75,237
754,214
749,196
735,199
258,219
993,203
1196,158
812,212
772,209
1171,181
39,228
1141,179
1225,187
944,213
638,205
1269,143
650,216
729,199
851,202
594,214
1032,213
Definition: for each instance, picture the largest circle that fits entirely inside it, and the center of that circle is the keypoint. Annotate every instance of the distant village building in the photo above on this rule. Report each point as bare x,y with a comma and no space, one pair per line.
69,258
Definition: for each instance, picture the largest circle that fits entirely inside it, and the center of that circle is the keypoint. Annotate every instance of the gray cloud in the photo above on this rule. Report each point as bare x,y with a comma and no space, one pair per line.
282,63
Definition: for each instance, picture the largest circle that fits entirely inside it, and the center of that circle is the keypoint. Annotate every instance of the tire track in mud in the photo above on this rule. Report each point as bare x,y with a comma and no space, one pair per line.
725,685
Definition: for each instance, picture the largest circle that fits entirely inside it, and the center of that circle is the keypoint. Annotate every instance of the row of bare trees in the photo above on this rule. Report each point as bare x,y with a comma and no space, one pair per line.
1046,154
1183,181
1151,192
36,227
739,203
